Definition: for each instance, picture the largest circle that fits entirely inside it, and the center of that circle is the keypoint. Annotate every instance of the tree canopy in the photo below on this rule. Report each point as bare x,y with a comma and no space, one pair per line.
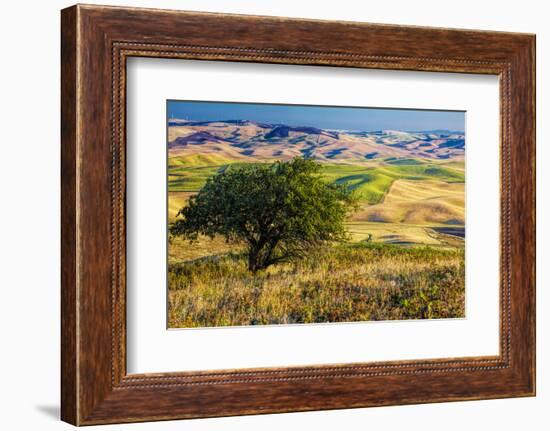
280,210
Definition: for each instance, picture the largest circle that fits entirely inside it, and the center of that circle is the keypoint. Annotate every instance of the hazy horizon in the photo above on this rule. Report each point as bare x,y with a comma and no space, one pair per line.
324,117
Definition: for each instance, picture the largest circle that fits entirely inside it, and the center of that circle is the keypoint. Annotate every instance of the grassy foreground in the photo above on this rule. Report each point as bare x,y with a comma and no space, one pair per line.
344,283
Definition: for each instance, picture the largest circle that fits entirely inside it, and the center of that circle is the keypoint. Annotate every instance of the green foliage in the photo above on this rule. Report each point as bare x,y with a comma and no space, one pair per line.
280,210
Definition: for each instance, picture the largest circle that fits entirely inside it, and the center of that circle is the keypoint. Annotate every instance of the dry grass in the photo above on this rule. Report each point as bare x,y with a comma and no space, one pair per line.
401,233
419,203
180,250
336,284
176,201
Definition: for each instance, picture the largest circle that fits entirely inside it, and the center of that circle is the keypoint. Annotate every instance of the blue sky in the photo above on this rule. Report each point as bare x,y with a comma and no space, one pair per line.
327,117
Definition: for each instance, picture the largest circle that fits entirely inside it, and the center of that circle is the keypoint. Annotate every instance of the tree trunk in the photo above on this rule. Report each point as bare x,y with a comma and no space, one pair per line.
259,256
253,260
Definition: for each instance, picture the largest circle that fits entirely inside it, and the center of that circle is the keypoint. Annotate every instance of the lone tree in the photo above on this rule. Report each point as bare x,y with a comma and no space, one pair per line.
279,210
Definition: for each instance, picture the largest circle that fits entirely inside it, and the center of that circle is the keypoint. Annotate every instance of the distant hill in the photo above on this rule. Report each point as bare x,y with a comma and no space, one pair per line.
248,140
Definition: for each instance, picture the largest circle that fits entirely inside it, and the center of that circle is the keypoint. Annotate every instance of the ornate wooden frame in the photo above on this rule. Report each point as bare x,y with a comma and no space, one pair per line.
96,41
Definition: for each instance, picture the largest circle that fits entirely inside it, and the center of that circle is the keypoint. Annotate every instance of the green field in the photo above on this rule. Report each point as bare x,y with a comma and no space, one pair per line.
404,257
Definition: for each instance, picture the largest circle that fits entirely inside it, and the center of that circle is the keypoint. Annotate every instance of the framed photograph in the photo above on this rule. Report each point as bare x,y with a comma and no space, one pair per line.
313,214
265,215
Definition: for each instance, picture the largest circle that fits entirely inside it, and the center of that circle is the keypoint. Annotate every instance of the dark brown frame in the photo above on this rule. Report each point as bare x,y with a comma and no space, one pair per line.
96,41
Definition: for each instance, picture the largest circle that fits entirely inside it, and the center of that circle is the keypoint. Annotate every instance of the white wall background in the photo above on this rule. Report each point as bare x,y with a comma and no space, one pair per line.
29,219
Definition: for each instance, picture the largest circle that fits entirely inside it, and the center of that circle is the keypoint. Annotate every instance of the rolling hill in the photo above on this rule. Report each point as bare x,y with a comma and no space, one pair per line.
242,139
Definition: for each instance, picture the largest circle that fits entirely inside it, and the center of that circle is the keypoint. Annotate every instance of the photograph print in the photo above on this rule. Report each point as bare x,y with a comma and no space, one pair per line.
298,214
